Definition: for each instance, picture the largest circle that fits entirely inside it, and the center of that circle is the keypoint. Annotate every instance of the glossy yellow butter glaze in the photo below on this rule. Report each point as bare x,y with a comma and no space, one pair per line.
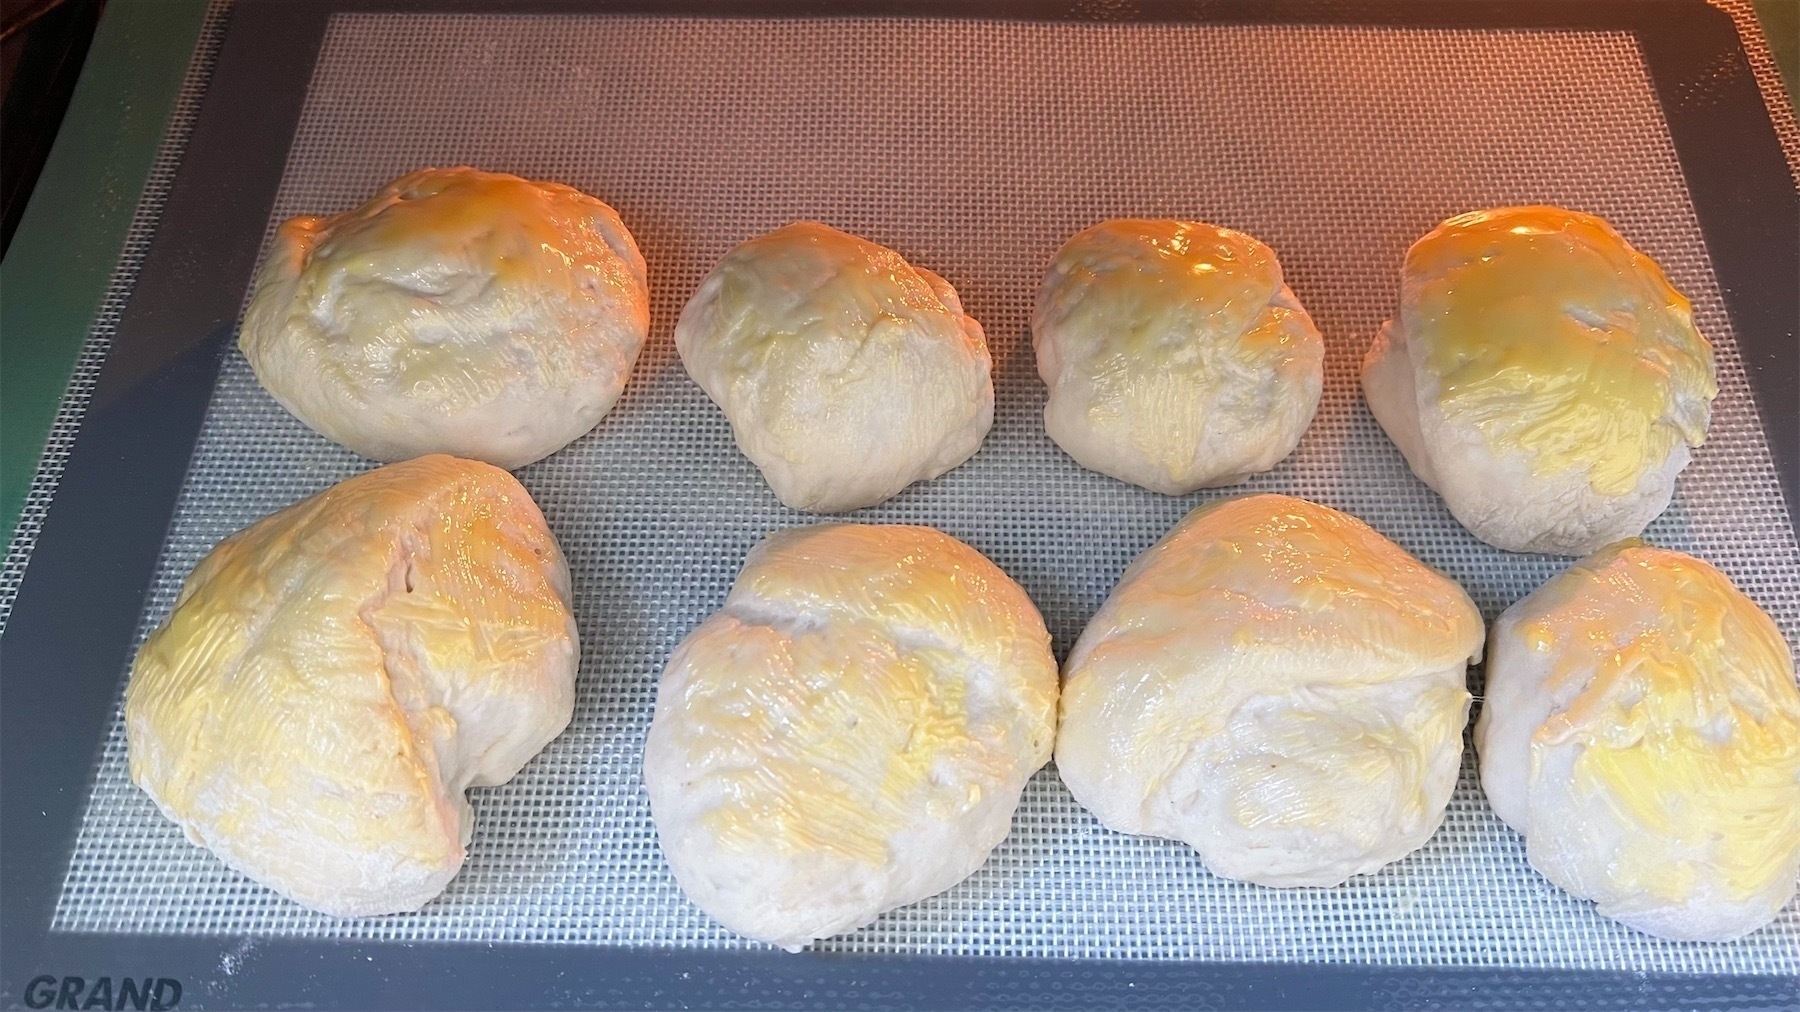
440,249
334,676
1134,273
1552,336
808,306
847,373
1687,714
1171,326
457,311
1267,594
860,678
1277,684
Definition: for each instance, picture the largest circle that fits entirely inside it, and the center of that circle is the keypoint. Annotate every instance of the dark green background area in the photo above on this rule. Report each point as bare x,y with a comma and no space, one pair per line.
63,255
62,258
1781,25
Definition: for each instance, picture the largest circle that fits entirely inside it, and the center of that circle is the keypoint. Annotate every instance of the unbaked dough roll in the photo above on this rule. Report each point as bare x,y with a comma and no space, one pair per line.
847,373
850,732
1543,377
1642,731
1176,356
1277,685
335,676
463,312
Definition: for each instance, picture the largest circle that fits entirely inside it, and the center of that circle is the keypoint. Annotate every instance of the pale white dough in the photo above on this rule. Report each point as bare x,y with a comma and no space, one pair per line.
336,675
463,312
850,732
847,373
1642,731
1277,685
1175,355
1543,377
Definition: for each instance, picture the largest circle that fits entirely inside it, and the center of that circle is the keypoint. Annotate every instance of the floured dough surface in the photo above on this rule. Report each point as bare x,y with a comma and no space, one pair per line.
1176,356
335,676
1642,730
846,372
1543,377
463,312
850,732
1277,685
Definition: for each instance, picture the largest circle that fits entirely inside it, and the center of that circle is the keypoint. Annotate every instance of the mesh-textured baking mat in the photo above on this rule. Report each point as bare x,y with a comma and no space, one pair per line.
974,148
93,353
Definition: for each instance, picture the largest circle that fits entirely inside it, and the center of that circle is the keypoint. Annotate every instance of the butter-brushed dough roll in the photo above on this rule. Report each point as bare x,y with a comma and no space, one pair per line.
335,676
1277,685
850,732
1543,377
846,372
1642,731
457,311
1176,356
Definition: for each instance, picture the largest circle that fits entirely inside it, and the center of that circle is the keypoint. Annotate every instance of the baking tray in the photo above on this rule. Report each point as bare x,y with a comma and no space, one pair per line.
974,145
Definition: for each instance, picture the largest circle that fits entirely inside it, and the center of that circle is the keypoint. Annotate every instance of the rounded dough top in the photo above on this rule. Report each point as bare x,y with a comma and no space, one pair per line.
846,372
1266,662
1665,701
334,676
1175,355
850,731
1550,335
457,311
1269,591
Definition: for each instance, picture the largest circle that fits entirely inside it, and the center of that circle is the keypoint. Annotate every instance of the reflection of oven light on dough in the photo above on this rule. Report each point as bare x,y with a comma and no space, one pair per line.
463,312
850,732
1277,685
847,373
1175,356
1543,377
1642,730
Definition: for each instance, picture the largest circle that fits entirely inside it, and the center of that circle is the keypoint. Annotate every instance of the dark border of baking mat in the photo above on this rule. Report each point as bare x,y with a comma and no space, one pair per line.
79,604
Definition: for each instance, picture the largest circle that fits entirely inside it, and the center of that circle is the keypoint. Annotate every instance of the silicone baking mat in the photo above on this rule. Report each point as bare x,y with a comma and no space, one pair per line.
974,148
